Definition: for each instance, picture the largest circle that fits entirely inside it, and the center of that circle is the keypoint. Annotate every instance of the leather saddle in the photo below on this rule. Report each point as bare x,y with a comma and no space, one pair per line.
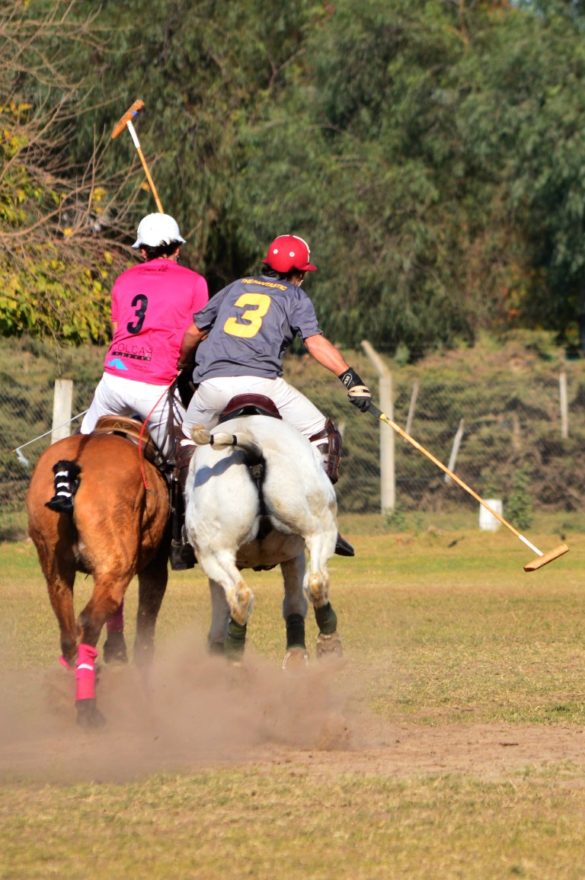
249,405
134,431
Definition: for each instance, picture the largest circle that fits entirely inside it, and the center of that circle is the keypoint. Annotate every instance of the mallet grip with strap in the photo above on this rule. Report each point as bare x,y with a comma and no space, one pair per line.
543,559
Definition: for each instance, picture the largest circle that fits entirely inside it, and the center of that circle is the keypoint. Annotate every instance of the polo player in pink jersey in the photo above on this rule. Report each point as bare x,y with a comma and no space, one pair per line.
152,305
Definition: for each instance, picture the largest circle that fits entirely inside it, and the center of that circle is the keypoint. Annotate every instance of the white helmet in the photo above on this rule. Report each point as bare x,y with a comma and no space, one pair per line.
157,229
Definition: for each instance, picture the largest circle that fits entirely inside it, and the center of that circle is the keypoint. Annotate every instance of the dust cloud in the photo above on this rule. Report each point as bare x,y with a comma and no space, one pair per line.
191,710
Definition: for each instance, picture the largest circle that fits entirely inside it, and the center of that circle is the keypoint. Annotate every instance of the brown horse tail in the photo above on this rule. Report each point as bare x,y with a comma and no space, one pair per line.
67,478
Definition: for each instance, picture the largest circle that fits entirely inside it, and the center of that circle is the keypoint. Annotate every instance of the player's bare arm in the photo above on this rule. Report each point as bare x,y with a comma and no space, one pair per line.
330,357
326,353
193,336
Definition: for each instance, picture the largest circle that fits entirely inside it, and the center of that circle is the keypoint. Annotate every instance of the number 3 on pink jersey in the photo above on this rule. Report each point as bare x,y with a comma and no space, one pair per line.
248,324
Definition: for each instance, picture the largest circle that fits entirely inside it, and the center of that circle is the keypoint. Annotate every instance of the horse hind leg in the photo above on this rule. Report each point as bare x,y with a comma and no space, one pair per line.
317,587
152,584
220,618
106,599
294,610
58,567
115,650
221,568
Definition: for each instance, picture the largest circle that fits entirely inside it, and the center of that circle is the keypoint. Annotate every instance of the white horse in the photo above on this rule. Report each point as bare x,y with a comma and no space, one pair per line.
256,496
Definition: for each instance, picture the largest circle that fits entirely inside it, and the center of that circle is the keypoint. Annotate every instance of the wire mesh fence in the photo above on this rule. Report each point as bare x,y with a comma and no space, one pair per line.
502,433
503,424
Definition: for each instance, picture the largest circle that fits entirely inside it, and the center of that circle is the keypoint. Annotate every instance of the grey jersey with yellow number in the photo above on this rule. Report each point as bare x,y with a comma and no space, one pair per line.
251,323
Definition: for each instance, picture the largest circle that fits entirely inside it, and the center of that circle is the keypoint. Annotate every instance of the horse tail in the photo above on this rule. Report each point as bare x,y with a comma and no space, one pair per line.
220,440
67,475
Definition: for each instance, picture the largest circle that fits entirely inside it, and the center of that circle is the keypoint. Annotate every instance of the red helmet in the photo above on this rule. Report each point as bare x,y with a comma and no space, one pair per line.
288,252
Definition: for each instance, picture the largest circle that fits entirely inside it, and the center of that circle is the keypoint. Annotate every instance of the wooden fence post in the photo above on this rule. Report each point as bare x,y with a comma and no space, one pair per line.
455,450
62,409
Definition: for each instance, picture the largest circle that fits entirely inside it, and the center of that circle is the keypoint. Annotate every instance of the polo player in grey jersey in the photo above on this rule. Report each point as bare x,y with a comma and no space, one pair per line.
241,336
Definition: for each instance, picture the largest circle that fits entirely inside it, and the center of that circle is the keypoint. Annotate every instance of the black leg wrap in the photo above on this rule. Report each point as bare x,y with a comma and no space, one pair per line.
326,619
66,485
235,639
295,631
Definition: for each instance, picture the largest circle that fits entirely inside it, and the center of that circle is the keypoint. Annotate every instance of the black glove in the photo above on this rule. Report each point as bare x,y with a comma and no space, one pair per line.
358,393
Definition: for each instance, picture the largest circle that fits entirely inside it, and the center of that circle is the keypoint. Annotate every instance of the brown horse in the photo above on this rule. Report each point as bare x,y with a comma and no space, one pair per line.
118,528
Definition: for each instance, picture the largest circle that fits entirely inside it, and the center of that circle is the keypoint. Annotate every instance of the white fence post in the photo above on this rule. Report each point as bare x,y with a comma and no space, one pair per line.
564,405
455,450
62,409
387,475
412,407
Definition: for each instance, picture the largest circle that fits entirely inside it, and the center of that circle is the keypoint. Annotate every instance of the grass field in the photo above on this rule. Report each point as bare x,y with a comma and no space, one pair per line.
449,743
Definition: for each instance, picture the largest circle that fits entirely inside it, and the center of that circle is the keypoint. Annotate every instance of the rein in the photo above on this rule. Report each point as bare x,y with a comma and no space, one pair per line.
170,391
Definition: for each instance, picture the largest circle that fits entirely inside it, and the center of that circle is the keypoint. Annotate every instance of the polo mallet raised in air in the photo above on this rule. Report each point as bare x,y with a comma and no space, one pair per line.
543,558
126,122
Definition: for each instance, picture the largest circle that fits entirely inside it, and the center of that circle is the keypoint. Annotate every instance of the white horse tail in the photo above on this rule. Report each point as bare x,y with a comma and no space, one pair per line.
222,440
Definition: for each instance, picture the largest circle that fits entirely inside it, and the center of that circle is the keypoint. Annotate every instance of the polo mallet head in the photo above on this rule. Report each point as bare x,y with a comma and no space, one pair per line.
128,116
547,557
125,121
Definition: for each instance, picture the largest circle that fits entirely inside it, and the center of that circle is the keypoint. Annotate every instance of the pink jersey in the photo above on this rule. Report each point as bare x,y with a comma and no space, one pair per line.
152,305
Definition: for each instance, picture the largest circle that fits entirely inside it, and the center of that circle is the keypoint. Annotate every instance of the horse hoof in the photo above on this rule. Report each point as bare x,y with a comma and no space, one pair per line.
115,650
329,645
88,714
295,660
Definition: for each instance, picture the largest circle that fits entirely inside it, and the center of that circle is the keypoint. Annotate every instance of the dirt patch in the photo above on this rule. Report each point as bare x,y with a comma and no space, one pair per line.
483,751
193,712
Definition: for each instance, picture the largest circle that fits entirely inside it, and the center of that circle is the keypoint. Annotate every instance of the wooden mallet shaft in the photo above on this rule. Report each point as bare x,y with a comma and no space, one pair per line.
125,121
543,558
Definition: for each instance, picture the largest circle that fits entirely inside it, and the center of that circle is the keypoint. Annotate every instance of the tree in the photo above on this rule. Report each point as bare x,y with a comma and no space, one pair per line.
57,256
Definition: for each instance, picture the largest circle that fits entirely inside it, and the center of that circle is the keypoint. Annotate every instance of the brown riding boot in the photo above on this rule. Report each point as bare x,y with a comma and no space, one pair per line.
330,450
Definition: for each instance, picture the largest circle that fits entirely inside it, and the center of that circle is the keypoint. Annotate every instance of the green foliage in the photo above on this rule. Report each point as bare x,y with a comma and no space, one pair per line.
395,520
56,260
519,504
54,294
431,154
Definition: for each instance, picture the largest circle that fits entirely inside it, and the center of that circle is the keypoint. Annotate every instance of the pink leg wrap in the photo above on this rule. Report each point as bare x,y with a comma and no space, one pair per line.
64,663
116,622
85,672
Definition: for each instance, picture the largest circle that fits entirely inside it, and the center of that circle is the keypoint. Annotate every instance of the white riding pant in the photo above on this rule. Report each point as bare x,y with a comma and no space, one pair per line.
115,395
213,395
